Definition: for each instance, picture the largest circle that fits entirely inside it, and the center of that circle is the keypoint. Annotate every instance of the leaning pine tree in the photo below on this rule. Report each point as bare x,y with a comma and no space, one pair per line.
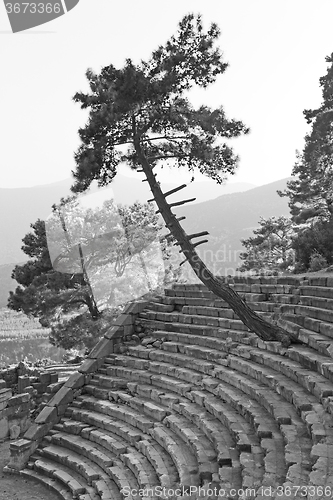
140,115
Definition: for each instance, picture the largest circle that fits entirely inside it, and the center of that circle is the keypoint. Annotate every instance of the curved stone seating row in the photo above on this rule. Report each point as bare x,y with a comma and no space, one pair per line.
281,411
188,431
226,429
210,383
200,348
318,341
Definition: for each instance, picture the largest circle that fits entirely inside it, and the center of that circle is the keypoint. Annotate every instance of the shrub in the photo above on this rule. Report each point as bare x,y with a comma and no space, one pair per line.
317,262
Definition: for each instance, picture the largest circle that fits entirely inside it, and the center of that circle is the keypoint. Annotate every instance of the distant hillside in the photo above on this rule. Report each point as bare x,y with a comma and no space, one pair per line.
6,283
20,207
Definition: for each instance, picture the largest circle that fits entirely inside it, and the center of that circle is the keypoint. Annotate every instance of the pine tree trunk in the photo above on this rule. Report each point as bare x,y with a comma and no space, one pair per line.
265,330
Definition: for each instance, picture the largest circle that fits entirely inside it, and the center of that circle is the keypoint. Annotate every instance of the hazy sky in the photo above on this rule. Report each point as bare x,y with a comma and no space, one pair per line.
276,50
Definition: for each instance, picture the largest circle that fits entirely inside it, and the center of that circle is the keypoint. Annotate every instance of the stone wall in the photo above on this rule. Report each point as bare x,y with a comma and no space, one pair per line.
14,413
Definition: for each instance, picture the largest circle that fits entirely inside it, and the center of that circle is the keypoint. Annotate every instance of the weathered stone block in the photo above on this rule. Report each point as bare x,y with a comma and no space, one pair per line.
14,431
112,332
20,452
19,399
5,394
124,319
39,387
136,307
61,410
75,381
90,365
45,377
62,397
36,432
22,383
54,377
48,414
102,349
4,428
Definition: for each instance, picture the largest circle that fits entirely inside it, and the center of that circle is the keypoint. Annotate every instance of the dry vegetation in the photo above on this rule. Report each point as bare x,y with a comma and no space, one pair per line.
22,337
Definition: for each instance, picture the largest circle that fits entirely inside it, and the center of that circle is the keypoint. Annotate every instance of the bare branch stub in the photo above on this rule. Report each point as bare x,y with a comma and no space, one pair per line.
177,203
174,190
197,235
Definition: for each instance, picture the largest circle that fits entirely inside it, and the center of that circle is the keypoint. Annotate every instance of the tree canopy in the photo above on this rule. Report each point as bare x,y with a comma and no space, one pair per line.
147,104
310,191
270,249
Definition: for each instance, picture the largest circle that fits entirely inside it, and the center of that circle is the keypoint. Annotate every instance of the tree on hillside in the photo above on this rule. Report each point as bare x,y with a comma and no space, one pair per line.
311,190
270,249
314,241
141,115
42,291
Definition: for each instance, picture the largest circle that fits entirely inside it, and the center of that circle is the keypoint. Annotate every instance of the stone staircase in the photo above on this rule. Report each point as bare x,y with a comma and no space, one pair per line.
192,404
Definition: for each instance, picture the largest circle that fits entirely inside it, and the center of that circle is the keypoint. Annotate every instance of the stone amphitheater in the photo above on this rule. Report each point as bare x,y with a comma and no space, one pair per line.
180,400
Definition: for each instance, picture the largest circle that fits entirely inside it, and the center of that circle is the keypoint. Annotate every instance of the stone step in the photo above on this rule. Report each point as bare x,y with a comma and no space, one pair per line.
280,409
218,351
69,479
161,461
308,335
250,428
293,371
81,445
211,301
208,311
142,395
186,431
198,442
187,319
305,403
119,446
318,302
54,485
102,486
89,471
279,299
181,456
298,445
116,468
184,459
193,293
168,355
194,329
307,357
156,305
172,378
141,468
254,288
243,439
320,388
324,315
315,325
316,291
126,415
108,382
277,453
